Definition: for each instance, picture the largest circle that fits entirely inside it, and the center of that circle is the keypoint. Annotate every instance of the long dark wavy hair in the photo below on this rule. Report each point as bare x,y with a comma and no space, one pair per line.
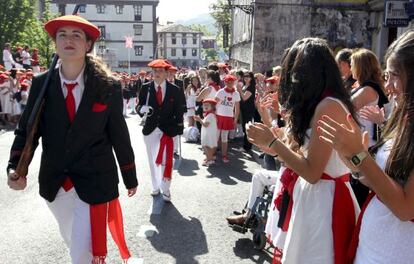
309,74
400,127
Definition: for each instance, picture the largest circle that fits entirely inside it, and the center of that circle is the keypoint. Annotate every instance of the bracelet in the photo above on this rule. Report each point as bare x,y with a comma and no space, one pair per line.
271,143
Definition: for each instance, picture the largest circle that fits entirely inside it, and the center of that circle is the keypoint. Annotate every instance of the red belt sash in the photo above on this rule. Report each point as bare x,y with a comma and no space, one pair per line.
343,211
343,218
166,144
101,215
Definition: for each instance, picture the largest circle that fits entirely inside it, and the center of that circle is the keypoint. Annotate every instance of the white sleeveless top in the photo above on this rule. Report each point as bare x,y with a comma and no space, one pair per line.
384,238
309,238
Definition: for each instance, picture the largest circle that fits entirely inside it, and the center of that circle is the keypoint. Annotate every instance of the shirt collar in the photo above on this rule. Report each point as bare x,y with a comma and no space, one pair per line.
162,84
79,79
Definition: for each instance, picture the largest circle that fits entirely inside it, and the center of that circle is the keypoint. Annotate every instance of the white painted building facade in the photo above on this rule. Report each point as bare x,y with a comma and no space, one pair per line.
180,44
117,19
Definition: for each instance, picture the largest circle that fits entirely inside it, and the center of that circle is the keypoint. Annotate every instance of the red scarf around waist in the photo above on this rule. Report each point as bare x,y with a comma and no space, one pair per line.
166,144
343,211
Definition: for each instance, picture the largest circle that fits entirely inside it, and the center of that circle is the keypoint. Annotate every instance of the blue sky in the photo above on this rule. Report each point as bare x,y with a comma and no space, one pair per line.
173,10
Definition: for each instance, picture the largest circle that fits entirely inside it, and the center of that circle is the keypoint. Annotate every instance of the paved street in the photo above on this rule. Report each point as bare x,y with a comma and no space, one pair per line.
192,229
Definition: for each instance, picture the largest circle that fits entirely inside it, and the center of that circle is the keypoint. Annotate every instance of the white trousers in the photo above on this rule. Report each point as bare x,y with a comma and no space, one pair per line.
260,180
132,104
152,142
176,143
73,217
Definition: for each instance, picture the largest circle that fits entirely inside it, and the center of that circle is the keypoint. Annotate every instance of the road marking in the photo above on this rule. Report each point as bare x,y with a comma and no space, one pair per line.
147,231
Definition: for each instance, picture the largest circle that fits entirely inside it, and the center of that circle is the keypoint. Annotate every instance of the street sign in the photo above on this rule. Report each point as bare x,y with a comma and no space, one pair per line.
396,14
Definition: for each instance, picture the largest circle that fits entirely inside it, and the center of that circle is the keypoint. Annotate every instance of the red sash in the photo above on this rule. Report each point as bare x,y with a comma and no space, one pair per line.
103,215
343,218
166,144
343,212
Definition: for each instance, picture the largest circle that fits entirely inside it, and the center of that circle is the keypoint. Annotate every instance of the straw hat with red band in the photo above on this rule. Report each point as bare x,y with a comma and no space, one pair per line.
90,29
159,63
273,79
229,78
210,101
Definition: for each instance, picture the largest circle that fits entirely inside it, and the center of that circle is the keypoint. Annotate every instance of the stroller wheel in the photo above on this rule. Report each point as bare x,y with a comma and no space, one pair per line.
259,240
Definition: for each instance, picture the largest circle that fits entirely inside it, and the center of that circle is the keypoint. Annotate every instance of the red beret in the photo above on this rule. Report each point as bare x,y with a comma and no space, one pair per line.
159,63
90,29
35,49
229,78
19,48
210,101
1,67
172,68
4,76
273,79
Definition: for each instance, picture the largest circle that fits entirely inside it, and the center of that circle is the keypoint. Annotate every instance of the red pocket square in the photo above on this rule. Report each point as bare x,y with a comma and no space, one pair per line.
98,107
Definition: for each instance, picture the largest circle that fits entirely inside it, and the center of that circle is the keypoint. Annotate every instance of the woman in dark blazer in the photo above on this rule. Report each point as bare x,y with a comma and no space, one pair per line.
80,126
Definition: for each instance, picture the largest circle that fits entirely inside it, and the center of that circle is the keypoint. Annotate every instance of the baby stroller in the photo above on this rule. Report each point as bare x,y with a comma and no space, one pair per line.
256,221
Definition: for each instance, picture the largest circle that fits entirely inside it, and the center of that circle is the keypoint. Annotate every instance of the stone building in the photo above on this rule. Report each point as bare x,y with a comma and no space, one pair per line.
117,19
273,26
180,44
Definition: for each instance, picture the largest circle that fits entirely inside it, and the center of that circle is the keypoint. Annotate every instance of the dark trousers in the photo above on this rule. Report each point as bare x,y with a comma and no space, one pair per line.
246,118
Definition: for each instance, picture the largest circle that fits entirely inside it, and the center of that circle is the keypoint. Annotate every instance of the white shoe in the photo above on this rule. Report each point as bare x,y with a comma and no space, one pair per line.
155,193
166,198
133,260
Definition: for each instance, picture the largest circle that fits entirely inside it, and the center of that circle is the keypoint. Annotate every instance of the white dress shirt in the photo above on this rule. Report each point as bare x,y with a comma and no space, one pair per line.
78,90
163,88
26,57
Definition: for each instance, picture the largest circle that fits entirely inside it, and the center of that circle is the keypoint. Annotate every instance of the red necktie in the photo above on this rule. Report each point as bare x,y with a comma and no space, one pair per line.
70,101
71,108
159,95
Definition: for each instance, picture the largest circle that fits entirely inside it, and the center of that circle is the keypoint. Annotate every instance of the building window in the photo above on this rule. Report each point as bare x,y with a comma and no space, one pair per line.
184,52
173,39
173,52
138,30
138,12
62,9
119,9
103,32
82,9
184,39
194,40
194,52
100,9
138,50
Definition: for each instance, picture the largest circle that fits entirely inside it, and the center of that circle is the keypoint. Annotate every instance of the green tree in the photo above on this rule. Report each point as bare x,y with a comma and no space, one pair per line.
221,12
20,25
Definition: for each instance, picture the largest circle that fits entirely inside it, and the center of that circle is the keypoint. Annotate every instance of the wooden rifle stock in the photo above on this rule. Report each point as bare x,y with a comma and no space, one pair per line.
34,119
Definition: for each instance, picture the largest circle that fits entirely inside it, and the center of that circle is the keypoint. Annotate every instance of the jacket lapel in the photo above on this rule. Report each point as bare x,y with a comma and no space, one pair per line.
86,103
167,94
55,89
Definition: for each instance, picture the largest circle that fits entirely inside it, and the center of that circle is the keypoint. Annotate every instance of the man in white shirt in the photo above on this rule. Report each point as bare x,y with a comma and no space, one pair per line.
26,58
8,60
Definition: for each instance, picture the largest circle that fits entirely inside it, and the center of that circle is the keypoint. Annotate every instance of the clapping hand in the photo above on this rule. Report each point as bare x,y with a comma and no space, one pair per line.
373,113
347,140
261,136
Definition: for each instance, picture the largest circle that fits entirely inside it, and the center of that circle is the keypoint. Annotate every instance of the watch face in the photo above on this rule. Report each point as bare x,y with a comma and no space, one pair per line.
355,160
